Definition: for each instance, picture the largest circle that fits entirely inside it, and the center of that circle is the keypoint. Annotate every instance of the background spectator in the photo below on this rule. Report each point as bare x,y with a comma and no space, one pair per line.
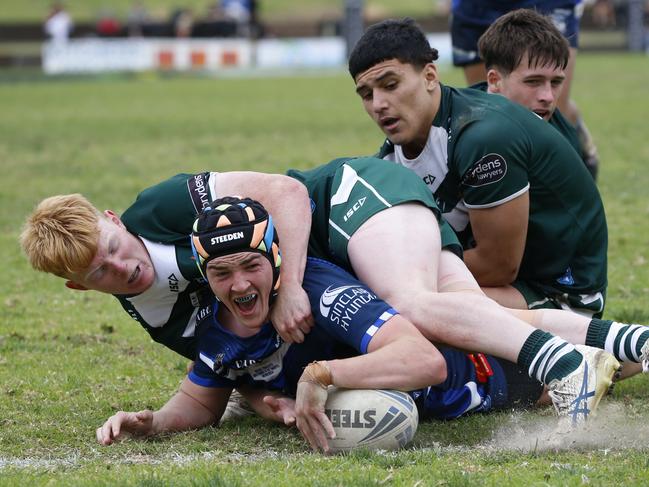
108,25
137,17
58,24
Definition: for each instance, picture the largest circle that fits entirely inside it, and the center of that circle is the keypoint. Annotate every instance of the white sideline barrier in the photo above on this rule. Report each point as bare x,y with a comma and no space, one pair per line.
209,55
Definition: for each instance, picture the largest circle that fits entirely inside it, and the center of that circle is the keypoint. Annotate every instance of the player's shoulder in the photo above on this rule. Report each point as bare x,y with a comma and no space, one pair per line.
164,194
482,116
567,129
321,274
165,211
319,266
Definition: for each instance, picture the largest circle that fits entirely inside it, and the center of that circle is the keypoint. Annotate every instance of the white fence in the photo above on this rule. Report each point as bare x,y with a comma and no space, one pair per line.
212,55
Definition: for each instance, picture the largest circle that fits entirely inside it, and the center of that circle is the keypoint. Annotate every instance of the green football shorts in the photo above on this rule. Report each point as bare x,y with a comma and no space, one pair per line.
542,296
363,187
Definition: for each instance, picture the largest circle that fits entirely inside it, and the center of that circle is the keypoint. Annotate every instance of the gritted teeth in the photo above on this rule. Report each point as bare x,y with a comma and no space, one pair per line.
245,299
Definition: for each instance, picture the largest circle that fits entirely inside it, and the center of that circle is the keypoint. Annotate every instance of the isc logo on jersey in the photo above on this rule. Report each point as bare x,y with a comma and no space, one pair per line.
355,207
341,304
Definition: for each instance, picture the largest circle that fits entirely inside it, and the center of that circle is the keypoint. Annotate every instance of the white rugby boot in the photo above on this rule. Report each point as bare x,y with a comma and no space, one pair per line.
576,396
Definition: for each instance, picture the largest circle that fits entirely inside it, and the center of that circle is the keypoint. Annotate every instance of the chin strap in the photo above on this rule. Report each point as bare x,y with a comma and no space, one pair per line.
317,373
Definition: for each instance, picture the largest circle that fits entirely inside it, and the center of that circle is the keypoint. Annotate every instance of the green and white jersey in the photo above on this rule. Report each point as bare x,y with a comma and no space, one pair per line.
162,216
483,151
346,192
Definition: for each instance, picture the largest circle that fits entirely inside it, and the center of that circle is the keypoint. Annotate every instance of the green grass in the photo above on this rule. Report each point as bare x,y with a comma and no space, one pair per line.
84,10
68,360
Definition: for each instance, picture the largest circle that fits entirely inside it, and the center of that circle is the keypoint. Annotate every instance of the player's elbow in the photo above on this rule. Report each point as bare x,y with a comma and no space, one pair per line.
437,368
507,273
431,366
502,272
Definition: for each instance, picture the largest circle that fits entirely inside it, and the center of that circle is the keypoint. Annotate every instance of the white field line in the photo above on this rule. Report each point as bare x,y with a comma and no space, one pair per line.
615,428
77,460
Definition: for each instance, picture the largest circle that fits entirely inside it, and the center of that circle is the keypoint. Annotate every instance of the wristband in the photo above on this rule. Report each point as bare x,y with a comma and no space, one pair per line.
317,373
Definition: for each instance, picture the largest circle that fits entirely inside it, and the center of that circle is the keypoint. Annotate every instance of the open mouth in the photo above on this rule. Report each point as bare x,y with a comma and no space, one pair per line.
389,123
134,275
247,302
541,113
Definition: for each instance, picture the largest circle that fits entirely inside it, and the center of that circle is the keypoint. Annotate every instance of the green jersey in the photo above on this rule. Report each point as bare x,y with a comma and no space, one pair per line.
162,216
557,120
346,192
484,151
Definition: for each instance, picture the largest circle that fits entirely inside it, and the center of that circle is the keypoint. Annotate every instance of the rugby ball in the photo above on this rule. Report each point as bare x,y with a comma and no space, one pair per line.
371,419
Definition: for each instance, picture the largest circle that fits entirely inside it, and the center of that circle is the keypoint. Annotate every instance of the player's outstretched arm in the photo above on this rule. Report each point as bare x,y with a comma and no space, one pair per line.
288,201
398,357
192,407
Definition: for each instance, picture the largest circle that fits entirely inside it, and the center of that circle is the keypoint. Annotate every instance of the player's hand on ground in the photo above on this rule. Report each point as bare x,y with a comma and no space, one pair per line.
283,408
291,314
122,424
311,419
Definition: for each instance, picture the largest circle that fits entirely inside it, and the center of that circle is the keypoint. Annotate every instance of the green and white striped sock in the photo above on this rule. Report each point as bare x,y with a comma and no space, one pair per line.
547,357
624,341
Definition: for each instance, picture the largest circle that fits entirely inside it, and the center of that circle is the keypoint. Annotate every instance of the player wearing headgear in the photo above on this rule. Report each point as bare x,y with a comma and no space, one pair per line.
358,191
236,249
144,257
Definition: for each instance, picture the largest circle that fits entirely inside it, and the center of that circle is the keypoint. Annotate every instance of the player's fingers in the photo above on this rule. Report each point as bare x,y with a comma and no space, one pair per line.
297,336
284,333
318,433
305,428
306,324
326,425
115,430
99,433
106,437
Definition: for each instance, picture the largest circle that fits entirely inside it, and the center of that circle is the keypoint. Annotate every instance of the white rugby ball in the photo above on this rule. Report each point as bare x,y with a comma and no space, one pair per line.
372,419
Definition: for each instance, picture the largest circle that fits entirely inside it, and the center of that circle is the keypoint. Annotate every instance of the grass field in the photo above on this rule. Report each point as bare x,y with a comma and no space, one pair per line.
68,360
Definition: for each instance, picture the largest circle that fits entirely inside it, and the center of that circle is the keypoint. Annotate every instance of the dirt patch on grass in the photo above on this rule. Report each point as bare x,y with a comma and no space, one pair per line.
616,427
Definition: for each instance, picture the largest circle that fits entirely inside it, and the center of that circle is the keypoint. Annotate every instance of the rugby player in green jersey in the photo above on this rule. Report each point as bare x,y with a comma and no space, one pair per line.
519,197
143,258
526,58
471,19
392,239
